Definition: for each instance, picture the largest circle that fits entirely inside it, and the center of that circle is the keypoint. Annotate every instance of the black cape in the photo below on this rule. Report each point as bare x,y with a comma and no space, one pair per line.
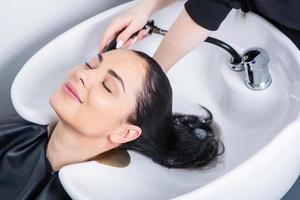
25,172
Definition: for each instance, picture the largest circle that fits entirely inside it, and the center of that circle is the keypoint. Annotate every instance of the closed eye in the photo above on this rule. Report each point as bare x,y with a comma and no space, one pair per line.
106,87
87,64
103,83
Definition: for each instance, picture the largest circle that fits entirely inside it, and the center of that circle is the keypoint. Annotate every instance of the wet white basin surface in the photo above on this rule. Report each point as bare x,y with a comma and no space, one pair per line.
260,129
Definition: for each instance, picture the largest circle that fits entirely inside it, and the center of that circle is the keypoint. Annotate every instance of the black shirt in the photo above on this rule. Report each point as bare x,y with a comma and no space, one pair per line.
210,13
25,172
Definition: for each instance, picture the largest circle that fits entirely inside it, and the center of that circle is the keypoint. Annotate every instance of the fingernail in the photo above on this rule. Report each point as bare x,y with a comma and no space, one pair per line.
134,40
146,31
108,41
119,44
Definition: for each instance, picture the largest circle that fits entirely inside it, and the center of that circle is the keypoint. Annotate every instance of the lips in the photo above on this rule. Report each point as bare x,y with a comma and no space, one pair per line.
73,91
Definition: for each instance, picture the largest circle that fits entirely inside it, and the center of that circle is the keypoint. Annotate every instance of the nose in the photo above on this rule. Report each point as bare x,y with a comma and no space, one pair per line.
86,77
80,78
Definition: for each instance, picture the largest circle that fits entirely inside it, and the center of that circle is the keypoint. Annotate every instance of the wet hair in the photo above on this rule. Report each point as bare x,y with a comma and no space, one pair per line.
171,140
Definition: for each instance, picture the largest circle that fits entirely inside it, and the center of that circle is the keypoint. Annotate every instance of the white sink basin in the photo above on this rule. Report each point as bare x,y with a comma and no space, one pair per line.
260,129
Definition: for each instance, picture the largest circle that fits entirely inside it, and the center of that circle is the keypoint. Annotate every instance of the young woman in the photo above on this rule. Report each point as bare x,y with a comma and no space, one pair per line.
118,100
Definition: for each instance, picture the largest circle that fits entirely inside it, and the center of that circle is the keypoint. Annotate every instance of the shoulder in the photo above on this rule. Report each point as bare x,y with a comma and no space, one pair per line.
14,124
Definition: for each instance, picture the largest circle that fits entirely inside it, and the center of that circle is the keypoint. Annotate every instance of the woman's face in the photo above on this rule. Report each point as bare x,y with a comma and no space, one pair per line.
107,93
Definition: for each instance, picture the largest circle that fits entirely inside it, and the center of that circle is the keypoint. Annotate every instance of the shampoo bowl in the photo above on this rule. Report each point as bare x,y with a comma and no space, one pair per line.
260,129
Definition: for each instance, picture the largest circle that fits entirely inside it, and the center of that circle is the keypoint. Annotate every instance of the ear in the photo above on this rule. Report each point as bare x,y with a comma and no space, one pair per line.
125,133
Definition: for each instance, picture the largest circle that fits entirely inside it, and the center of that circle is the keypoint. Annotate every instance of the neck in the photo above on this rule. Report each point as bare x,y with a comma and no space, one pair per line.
66,146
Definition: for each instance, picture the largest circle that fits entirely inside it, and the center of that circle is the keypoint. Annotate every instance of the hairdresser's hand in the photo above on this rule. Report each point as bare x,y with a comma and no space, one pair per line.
127,24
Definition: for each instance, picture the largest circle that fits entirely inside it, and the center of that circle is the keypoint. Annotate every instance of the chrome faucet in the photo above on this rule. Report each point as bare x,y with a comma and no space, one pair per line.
255,62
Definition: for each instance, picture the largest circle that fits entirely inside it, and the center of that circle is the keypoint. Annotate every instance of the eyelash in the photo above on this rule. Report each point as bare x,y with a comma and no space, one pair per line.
89,66
106,87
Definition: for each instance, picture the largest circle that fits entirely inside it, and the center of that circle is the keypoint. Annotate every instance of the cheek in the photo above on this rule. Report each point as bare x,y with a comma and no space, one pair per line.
68,110
63,105
87,120
100,115
101,101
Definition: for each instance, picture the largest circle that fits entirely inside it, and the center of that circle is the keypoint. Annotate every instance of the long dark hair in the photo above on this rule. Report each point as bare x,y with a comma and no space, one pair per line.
171,140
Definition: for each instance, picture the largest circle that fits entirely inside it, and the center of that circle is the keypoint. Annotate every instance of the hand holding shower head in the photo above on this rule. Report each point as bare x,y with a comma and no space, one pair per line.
149,26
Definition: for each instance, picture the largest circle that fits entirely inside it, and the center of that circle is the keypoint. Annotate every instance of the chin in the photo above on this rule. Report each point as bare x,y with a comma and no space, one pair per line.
63,106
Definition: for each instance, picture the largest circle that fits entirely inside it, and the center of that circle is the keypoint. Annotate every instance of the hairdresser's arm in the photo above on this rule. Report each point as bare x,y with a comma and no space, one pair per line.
156,5
190,29
183,36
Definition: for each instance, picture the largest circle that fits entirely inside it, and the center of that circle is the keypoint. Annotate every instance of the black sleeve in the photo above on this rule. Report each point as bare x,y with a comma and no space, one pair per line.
210,13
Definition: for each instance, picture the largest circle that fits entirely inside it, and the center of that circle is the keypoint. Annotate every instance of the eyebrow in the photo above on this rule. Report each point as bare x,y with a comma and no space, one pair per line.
114,74
100,57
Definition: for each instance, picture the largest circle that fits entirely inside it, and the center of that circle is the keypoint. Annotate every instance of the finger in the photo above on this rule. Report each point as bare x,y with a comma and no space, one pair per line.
130,42
142,34
111,32
125,35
